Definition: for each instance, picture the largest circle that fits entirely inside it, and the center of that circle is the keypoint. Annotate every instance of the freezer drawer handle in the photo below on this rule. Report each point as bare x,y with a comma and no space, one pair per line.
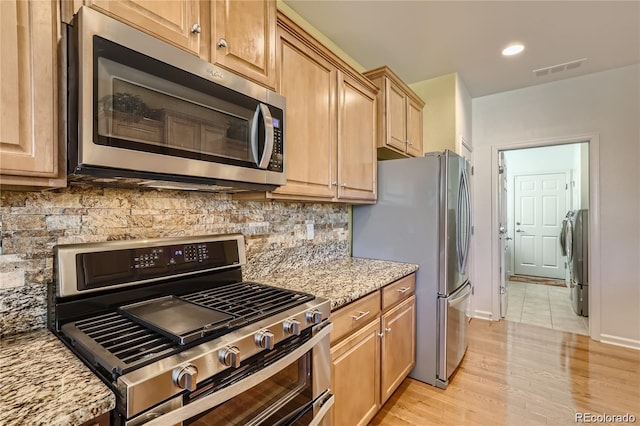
403,290
361,314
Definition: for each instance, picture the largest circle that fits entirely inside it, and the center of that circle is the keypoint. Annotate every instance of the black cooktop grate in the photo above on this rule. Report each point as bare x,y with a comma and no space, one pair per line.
248,300
118,344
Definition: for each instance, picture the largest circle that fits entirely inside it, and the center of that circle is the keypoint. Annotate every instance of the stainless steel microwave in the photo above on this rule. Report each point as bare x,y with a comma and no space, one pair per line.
143,111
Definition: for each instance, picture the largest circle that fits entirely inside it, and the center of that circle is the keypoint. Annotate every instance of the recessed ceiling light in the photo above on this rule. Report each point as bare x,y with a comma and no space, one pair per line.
513,49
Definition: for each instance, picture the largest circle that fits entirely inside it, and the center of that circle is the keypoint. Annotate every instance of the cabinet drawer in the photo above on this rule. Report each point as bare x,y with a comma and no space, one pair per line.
398,290
354,315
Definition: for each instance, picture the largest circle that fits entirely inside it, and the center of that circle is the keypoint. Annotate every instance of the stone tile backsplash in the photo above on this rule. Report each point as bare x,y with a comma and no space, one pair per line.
32,223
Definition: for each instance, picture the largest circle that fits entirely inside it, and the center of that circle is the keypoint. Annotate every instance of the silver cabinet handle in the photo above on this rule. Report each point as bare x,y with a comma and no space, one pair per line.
196,29
344,185
519,230
222,43
361,314
334,183
409,143
388,329
380,335
403,290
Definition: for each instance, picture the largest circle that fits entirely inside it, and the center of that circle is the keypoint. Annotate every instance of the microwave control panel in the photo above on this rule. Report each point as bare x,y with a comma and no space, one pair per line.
277,158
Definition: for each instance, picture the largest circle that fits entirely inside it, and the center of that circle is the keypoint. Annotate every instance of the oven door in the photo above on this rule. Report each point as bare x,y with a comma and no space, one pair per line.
292,390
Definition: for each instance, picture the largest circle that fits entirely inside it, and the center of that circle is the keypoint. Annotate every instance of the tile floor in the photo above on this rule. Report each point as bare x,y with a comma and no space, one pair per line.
544,305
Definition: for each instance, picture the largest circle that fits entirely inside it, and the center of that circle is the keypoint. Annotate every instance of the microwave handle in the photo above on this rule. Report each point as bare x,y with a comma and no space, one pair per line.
262,161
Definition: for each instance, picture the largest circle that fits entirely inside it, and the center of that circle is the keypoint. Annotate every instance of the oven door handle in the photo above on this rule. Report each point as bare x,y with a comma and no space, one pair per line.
321,401
325,406
210,401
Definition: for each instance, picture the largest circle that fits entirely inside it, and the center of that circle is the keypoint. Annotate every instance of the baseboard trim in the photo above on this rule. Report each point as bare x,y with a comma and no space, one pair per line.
485,315
620,341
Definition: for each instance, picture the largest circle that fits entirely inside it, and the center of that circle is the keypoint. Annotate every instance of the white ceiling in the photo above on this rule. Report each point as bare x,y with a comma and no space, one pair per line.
420,40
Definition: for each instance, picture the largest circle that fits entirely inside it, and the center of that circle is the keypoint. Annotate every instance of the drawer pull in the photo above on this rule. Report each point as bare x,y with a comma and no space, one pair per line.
360,315
403,290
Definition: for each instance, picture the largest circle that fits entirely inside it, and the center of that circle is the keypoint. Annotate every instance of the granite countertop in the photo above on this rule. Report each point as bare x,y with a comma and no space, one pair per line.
341,280
43,383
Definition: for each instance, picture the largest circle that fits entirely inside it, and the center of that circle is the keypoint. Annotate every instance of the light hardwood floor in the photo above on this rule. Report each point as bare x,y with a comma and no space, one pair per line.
521,374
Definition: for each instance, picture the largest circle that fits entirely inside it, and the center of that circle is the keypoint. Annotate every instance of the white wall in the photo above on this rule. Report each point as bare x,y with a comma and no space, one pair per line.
463,115
605,105
551,159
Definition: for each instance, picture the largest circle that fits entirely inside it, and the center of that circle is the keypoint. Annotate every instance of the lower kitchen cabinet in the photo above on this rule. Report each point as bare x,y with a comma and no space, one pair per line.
398,346
372,353
355,376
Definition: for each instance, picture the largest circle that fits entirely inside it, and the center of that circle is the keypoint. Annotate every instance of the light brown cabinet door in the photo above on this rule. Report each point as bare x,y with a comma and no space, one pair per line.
355,377
414,129
357,166
244,38
396,116
308,82
174,21
29,151
398,346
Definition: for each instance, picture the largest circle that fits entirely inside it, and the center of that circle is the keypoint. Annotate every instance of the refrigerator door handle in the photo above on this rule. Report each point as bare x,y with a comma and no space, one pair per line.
462,293
464,188
459,208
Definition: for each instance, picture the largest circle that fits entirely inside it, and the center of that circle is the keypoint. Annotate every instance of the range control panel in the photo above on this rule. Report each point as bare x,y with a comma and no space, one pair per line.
171,255
104,268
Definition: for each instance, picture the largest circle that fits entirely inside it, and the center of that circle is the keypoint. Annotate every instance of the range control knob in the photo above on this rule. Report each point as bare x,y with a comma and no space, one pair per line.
186,377
313,317
264,339
291,326
229,356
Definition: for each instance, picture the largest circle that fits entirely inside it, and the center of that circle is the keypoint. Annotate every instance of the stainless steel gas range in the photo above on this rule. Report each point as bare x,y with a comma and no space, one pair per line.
171,327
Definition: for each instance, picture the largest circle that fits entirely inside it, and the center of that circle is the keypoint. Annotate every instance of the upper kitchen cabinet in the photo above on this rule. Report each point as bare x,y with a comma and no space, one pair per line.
243,38
399,116
177,22
330,123
447,117
308,81
357,168
239,35
30,156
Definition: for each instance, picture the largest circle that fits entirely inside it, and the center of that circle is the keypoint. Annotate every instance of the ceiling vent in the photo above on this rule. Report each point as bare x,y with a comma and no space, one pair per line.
554,69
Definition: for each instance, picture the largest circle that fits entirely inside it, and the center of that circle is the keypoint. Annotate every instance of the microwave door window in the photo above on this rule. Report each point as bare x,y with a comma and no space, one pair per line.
140,111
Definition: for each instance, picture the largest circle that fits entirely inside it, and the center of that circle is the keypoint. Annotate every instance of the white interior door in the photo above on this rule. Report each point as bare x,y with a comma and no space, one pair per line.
503,234
540,205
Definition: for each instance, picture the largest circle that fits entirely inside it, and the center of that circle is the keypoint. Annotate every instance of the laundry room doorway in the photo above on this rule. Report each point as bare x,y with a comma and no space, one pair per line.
540,186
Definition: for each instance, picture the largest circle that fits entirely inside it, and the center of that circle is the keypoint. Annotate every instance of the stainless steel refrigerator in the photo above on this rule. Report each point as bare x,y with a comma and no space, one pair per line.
423,216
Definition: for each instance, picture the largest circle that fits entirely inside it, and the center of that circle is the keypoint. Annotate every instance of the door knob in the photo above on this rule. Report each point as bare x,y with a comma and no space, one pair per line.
222,43
502,230
196,29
